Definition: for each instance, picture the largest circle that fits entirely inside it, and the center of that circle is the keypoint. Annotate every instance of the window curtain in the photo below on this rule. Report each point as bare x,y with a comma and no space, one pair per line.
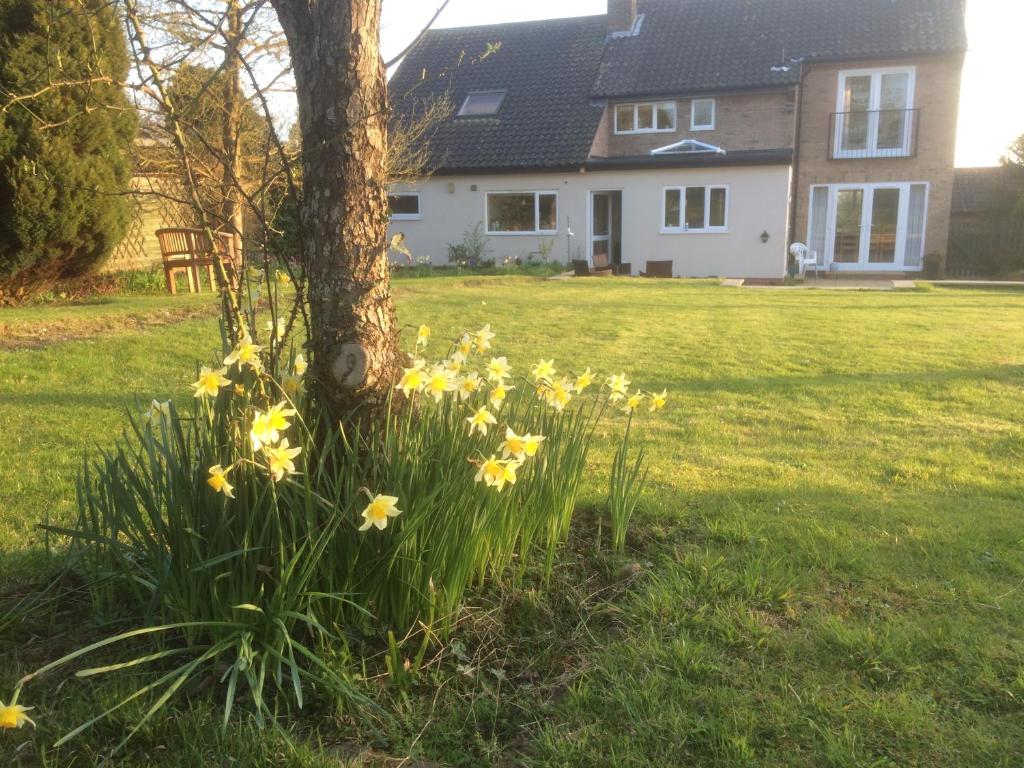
913,250
817,239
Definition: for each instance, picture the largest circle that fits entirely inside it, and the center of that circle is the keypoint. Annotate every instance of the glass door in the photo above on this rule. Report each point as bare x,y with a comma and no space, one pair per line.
601,229
849,219
884,223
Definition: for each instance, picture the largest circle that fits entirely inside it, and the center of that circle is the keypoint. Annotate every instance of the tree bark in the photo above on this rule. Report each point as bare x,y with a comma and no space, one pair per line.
231,206
343,110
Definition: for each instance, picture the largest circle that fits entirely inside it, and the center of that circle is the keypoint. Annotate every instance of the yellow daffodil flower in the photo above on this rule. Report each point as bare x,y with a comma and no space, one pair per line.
498,370
559,394
498,394
13,715
531,444
239,390
439,381
465,346
584,380
633,402
292,385
496,473
413,379
277,330
210,382
218,480
481,420
246,353
422,335
482,339
266,427
300,365
617,384
454,363
467,385
283,278
279,459
657,400
157,413
378,511
543,370
513,445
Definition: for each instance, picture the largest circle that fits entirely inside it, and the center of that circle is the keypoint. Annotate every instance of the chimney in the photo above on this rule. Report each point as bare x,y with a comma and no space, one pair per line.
621,16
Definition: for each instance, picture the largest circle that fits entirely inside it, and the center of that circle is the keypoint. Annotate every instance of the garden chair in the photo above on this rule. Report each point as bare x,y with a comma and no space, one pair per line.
658,269
804,259
188,250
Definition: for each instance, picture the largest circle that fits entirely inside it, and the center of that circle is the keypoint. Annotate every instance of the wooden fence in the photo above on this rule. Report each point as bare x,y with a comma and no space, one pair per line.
985,249
158,201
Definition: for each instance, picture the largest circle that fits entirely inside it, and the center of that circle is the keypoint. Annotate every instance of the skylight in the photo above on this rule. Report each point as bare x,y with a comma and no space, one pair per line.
481,103
686,147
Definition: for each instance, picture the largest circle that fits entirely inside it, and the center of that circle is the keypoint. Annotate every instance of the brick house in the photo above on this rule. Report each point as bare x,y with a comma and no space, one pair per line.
711,133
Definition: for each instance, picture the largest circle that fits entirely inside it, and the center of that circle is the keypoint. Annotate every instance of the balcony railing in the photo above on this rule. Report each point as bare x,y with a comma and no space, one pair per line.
873,133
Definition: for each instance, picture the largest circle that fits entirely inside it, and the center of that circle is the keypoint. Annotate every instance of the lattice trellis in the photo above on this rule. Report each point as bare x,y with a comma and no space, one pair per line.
157,201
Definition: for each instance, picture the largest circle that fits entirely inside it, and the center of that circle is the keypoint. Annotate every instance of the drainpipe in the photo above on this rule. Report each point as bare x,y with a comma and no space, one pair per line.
794,195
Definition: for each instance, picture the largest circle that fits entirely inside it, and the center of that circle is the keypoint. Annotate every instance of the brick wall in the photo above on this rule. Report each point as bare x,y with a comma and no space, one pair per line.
936,95
756,120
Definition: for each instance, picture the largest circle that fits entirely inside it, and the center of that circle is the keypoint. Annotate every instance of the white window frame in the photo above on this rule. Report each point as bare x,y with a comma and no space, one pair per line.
418,216
874,105
707,229
636,109
898,265
471,94
536,211
693,115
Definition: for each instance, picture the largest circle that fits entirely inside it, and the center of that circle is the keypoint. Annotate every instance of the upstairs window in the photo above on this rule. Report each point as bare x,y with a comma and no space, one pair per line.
404,206
522,213
874,113
702,115
647,117
482,103
695,209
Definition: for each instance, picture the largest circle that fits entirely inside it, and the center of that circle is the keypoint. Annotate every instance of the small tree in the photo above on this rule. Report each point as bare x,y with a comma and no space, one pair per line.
66,128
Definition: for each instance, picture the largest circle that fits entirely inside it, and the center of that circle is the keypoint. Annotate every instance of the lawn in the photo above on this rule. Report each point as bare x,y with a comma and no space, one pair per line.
830,550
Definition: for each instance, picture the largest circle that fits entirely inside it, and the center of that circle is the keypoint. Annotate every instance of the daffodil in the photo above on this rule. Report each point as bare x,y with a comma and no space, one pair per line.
246,353
482,339
291,384
378,511
218,480
531,444
279,459
497,473
283,278
239,390
633,402
210,381
13,715
584,380
513,444
300,365
481,420
468,384
277,330
455,362
657,400
559,394
498,370
543,370
267,427
617,383
422,335
465,346
413,379
157,413
439,381
498,394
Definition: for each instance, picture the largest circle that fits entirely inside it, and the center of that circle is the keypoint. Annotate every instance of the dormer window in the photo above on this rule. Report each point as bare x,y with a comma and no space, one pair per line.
482,103
646,117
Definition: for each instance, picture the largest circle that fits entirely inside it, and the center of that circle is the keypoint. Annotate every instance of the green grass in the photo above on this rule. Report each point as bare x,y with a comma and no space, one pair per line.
831,548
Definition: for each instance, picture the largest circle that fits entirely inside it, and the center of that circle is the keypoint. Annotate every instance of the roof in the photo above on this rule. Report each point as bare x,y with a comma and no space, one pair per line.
688,46
976,190
559,73
547,119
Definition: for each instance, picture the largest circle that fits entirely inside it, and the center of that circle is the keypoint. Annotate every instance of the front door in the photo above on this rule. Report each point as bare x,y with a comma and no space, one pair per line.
605,228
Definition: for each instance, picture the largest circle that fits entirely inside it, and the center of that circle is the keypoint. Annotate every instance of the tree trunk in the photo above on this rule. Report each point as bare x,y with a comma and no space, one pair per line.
231,205
342,93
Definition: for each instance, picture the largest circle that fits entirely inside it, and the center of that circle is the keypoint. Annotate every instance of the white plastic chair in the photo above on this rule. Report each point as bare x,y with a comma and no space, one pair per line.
804,258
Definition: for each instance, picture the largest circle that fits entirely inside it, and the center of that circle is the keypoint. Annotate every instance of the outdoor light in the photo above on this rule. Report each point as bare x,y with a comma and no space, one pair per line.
765,236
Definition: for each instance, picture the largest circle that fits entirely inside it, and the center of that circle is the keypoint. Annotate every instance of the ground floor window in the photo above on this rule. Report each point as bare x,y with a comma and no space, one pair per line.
404,206
868,226
528,213
695,209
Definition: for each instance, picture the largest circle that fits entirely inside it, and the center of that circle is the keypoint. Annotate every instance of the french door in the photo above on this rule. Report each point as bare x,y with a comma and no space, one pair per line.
870,227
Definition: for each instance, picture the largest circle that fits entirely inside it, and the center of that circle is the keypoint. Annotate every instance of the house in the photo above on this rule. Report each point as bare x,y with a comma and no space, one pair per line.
986,231
712,133
979,194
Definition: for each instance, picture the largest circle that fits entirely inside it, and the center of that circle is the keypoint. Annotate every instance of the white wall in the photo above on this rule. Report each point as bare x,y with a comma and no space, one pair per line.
758,202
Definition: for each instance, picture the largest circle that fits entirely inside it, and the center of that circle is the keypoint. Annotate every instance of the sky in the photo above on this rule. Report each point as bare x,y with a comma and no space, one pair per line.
991,109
